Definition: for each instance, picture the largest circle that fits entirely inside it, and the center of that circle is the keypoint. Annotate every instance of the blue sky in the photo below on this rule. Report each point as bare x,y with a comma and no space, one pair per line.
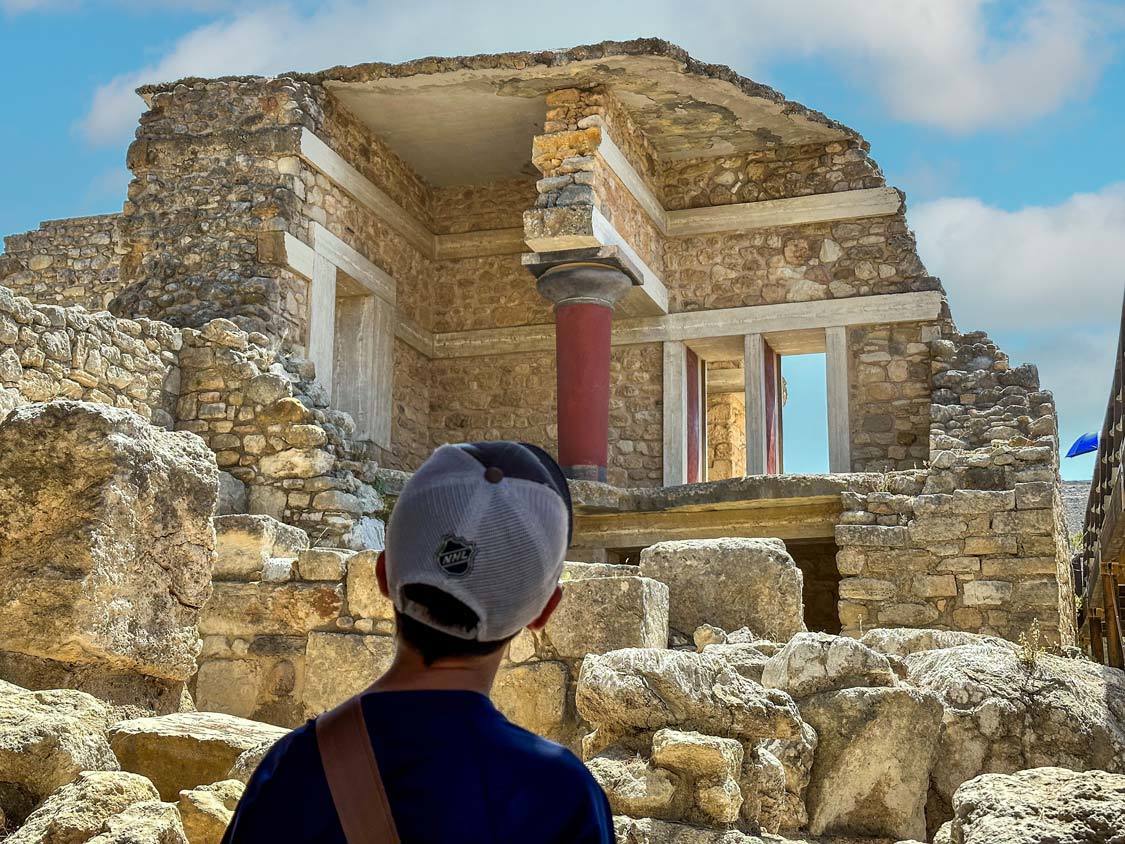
1003,122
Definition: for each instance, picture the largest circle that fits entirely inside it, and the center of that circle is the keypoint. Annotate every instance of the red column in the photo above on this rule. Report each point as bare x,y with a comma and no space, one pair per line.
582,357
584,294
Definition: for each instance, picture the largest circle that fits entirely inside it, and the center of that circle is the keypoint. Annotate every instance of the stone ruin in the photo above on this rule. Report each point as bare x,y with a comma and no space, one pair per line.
308,290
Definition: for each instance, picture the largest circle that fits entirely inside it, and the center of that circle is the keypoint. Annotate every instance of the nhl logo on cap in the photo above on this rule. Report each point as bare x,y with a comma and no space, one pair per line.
455,555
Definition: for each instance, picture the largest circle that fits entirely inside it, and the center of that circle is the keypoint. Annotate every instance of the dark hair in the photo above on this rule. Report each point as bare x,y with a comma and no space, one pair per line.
433,644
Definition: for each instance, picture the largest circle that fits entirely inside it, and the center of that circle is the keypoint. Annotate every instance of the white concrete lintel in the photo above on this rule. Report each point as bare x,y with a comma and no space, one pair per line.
364,271
838,385
675,414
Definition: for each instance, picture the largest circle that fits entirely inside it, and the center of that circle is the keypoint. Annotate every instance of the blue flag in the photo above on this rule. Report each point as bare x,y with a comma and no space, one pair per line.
1084,445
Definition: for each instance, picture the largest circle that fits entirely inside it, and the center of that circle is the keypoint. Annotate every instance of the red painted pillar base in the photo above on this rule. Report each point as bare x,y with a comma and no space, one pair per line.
584,294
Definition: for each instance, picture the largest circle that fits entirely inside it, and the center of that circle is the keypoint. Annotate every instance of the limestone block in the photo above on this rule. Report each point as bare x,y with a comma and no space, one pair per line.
233,497
1002,715
646,689
1040,805
106,544
244,545
297,463
602,614
46,739
652,831
765,799
746,659
79,810
719,803
729,583
867,589
697,756
904,641
327,564
248,761
533,696
812,663
364,598
152,822
260,609
339,665
186,749
635,787
708,634
872,765
987,593
582,571
206,811
229,685
796,758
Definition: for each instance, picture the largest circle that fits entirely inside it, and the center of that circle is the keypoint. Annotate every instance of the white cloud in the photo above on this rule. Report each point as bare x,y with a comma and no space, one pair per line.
941,63
1045,281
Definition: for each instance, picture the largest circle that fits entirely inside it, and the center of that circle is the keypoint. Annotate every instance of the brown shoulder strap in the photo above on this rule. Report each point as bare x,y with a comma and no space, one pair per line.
353,776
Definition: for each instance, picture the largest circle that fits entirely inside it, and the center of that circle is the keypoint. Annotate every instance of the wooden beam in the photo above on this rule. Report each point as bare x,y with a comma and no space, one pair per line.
651,296
795,211
836,370
611,154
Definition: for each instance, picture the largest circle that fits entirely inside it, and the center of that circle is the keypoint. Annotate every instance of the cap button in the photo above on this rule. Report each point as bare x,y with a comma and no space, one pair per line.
494,474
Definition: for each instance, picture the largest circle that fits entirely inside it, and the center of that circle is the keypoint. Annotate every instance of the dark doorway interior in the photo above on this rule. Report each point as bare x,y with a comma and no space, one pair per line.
817,560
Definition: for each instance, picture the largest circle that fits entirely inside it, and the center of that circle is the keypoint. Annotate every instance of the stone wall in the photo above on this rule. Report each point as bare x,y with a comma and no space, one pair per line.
889,395
975,542
49,352
777,173
75,261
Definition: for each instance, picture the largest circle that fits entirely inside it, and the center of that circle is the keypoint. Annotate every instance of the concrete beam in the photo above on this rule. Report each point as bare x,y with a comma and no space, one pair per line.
366,273
795,211
839,419
675,415
754,368
452,247
322,320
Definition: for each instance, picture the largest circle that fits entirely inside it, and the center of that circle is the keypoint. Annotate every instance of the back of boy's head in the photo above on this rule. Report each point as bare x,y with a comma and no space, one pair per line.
475,546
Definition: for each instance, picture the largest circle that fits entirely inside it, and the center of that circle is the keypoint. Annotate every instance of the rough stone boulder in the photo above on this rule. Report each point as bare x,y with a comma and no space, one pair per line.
811,663
79,810
248,761
1036,806
729,583
1003,715
748,660
904,641
151,822
106,544
796,758
46,739
206,811
650,831
873,760
188,749
644,690
636,787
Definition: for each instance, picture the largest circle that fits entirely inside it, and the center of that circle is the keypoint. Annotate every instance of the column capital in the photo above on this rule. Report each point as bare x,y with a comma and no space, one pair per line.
598,276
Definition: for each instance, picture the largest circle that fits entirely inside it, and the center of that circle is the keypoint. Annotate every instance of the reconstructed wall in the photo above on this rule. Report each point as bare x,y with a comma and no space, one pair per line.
975,542
75,261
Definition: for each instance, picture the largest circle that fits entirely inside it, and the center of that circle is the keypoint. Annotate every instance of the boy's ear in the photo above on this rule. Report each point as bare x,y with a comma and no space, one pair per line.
381,574
552,604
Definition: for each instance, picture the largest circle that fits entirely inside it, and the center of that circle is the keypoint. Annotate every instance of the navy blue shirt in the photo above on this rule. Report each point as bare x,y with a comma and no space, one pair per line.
454,769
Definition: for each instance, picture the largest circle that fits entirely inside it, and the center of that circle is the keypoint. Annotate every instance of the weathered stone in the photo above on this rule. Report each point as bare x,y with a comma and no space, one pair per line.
765,798
280,609
1040,805
364,598
46,739
187,749
325,564
78,811
106,545
248,761
747,659
245,544
697,756
232,496
872,764
297,463
602,614
206,811
796,758
904,641
533,696
152,822
1003,715
643,689
729,583
636,787
339,665
812,663
708,634
652,831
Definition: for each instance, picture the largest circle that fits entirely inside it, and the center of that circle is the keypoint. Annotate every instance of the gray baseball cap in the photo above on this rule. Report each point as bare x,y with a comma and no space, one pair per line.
487,523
